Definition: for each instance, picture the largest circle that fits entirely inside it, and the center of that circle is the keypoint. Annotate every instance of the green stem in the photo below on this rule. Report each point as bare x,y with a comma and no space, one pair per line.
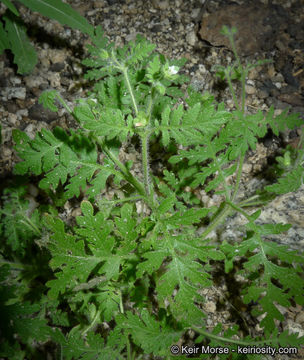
300,155
227,340
123,169
129,353
119,201
238,176
124,71
223,213
121,307
145,160
15,265
88,328
219,168
235,207
30,224
64,104
227,74
243,96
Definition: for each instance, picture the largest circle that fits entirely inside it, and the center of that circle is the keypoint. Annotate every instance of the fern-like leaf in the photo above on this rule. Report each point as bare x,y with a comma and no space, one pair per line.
17,318
18,225
153,336
281,268
60,161
188,128
291,181
93,346
283,121
109,123
183,271
69,257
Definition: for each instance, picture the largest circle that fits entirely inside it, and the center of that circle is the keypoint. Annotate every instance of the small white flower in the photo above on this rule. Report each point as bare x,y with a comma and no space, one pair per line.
172,70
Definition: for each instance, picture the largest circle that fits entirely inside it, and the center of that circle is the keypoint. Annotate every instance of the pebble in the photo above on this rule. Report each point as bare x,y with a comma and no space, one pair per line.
250,90
210,307
14,93
33,81
247,168
13,119
30,131
195,13
162,5
7,152
271,71
191,38
22,112
38,112
57,56
262,94
54,79
57,67
300,318
33,190
15,81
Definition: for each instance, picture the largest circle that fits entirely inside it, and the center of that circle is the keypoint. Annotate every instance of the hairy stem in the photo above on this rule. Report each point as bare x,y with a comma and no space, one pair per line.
238,176
227,340
123,169
222,214
145,161
94,321
238,209
126,76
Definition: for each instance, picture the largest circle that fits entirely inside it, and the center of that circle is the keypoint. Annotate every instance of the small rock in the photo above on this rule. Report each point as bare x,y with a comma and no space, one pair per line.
262,94
280,45
250,90
98,4
271,71
54,79
45,62
14,93
11,107
195,13
38,112
300,318
57,67
33,190
294,328
191,38
22,112
253,74
156,28
247,168
12,118
6,152
15,80
162,5
77,68
30,132
57,56
210,307
33,81
76,212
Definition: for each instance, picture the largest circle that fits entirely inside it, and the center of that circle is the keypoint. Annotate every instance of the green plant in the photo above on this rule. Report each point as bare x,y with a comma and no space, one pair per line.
13,34
123,285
